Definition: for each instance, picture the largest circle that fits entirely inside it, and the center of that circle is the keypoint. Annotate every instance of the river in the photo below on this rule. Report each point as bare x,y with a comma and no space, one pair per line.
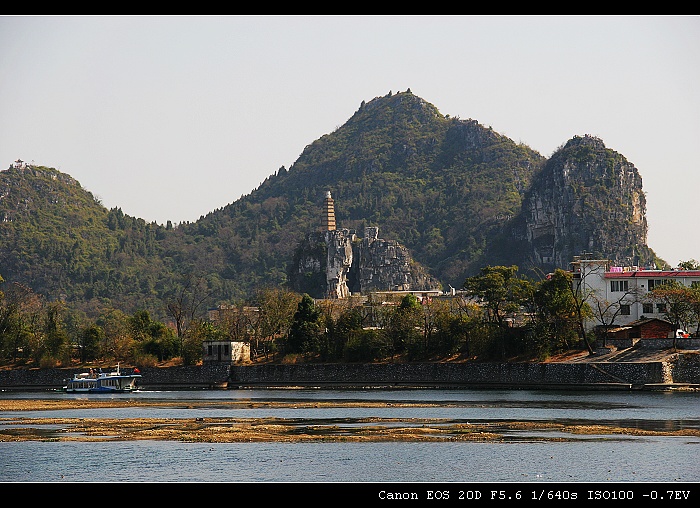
528,456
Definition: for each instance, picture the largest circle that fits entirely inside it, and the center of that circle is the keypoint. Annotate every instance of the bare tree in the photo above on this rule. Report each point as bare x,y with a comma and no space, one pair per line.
581,292
238,321
186,302
606,311
468,311
276,313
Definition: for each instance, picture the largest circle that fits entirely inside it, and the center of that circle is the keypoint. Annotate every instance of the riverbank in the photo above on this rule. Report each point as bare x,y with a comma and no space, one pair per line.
609,369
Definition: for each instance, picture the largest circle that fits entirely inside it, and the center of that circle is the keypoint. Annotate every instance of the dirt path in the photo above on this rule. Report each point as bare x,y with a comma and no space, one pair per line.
622,355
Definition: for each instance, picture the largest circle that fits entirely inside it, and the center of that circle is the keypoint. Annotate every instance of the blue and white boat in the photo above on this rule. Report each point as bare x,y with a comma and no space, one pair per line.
99,382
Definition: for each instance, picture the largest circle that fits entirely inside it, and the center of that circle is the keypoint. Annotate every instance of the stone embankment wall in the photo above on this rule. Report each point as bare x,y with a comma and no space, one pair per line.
686,369
683,369
183,377
508,375
210,375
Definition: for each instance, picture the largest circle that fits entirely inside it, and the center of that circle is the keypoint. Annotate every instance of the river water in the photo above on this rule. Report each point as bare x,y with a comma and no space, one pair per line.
579,458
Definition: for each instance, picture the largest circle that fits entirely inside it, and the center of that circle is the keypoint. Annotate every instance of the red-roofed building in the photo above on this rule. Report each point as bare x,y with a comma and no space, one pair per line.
653,328
619,295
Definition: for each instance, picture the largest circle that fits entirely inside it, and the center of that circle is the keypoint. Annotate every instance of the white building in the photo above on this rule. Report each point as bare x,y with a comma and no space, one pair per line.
227,351
618,295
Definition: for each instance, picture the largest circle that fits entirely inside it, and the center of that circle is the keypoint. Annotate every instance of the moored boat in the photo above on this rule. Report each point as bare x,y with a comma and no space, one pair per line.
103,382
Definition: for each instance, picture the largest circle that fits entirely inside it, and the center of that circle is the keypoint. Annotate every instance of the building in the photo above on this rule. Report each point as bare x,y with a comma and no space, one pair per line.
226,351
620,295
328,218
653,328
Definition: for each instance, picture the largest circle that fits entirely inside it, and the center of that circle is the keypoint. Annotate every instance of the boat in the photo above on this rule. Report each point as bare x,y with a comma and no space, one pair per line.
96,381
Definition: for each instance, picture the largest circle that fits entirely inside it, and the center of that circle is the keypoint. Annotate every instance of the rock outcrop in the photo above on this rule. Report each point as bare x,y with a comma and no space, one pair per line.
587,201
337,263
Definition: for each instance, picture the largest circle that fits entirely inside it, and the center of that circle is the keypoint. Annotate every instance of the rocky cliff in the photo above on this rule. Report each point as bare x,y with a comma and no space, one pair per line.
586,201
337,263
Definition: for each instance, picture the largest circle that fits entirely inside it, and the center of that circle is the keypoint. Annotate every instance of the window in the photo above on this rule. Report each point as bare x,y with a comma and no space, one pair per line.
648,308
618,285
625,310
209,350
652,283
660,308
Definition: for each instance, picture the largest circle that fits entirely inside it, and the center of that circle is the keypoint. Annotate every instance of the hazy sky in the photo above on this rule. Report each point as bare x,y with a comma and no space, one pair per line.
172,117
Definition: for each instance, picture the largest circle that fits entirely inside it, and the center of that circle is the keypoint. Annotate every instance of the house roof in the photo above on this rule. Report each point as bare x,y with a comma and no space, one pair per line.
652,274
618,329
643,321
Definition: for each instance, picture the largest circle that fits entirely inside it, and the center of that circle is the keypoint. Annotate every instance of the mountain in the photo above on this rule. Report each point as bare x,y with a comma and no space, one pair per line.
453,193
587,200
57,239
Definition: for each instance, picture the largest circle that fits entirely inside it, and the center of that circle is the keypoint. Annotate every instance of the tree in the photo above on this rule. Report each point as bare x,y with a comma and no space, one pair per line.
500,293
555,312
20,311
436,324
581,292
445,327
153,337
607,311
276,308
162,342
365,346
346,330
140,324
467,314
695,307
185,303
404,324
676,299
118,336
304,334
237,322
197,333
691,264
56,341
494,288
89,342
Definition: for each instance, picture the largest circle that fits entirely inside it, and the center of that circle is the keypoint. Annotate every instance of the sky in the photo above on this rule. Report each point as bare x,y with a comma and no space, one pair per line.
172,117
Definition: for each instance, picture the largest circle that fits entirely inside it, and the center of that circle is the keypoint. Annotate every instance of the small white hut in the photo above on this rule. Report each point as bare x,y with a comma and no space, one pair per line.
226,351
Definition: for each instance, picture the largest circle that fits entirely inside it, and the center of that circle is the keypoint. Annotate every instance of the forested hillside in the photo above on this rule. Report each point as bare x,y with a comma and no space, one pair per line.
457,194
